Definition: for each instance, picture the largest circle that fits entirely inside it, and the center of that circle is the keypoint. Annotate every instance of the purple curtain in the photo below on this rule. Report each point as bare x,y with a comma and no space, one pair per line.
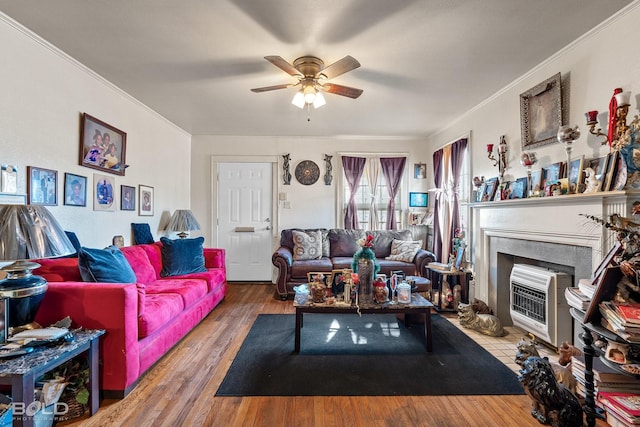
437,179
458,149
353,168
392,169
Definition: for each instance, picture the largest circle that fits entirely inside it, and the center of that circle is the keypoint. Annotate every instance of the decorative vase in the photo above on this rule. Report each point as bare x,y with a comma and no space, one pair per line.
366,274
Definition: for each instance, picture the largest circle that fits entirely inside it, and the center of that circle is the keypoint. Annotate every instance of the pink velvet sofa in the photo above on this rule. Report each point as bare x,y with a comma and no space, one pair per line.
142,320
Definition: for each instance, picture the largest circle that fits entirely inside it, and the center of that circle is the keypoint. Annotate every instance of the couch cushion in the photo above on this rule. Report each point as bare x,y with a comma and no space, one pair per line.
190,290
344,243
286,238
139,262
182,256
382,240
214,277
307,245
105,265
387,266
159,309
59,269
299,269
404,250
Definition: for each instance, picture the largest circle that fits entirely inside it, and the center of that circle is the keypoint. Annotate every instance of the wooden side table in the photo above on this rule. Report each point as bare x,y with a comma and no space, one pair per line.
453,278
23,371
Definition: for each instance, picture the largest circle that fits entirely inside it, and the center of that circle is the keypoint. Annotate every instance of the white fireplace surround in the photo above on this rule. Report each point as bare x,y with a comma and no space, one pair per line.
548,225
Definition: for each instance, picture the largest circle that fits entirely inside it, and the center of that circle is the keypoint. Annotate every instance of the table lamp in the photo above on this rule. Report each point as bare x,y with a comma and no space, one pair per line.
182,221
26,233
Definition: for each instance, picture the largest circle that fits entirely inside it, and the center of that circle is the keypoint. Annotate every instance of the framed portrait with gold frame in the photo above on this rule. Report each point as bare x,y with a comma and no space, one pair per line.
541,113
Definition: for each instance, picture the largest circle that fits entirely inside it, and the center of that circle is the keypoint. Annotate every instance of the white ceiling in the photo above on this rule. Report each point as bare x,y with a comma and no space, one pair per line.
424,62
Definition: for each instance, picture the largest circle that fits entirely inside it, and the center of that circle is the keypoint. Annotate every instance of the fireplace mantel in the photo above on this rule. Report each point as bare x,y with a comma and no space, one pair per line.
555,220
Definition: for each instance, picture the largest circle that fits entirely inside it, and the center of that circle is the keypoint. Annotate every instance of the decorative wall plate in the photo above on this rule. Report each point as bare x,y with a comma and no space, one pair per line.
307,172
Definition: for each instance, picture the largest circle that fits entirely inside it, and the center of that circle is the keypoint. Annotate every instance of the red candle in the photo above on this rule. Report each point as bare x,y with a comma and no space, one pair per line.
489,148
592,116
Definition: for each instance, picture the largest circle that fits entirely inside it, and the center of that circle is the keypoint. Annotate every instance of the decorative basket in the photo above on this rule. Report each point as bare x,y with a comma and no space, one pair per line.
76,409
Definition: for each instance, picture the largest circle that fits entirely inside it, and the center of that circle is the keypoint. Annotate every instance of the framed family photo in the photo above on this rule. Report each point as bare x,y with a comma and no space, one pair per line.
541,113
420,170
42,186
104,193
145,197
75,190
102,146
127,198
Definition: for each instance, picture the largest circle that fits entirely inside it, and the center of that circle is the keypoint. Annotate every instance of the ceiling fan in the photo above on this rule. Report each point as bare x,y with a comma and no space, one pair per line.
312,74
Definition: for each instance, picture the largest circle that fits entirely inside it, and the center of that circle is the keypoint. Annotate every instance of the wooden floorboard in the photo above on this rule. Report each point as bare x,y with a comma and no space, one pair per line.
180,389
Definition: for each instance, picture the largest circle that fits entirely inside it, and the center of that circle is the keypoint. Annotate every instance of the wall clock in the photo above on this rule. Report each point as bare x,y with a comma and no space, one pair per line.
307,172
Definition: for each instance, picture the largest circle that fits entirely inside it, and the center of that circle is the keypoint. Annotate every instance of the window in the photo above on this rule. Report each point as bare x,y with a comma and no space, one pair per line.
363,199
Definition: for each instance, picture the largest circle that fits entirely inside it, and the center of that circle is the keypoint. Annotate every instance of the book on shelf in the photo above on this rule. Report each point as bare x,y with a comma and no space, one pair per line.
587,287
630,313
628,334
439,266
575,298
627,403
612,312
615,419
604,376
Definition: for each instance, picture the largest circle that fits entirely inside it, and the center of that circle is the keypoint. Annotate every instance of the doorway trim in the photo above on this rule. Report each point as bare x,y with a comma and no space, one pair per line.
215,160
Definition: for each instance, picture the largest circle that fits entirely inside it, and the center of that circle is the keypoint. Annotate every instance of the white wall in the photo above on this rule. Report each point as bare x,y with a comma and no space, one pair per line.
591,68
43,95
311,205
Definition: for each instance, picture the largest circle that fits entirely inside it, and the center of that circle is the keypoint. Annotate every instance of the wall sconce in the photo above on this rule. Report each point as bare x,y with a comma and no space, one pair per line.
501,161
592,121
622,109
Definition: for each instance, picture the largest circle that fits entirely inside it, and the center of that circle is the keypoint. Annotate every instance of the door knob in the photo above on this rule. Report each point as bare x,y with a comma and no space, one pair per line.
268,227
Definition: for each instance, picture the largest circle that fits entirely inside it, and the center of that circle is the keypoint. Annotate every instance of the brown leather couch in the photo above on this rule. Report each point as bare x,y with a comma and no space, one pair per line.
339,245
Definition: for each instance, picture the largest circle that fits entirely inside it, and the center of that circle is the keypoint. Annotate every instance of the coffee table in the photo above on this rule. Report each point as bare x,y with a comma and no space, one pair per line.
418,305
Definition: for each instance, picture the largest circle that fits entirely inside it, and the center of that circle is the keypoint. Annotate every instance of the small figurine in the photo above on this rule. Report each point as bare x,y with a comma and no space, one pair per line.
286,175
592,182
327,175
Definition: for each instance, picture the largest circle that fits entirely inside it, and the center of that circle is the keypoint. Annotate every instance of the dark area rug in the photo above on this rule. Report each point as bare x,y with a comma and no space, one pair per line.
372,355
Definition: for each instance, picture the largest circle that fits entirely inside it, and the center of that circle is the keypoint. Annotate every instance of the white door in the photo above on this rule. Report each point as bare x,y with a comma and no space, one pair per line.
244,219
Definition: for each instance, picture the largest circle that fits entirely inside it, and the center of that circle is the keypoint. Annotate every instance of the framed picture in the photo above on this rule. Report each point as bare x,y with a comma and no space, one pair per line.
102,146
418,200
552,173
490,189
75,190
42,186
323,276
536,182
480,192
127,198
518,188
420,171
145,197
599,166
541,113
612,170
103,193
575,174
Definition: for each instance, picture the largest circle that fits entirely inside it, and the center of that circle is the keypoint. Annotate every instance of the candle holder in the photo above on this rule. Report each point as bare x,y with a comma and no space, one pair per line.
490,154
528,159
622,129
592,121
566,135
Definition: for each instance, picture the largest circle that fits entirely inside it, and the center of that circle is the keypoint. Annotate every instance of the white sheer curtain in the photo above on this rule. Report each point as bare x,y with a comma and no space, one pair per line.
372,170
444,204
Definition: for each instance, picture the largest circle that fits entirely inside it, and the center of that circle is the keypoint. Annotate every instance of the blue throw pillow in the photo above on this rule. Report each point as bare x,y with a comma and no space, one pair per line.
182,256
141,234
105,265
75,242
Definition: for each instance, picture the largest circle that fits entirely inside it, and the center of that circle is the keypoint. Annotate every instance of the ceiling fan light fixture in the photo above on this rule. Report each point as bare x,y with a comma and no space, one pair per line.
298,99
319,101
309,94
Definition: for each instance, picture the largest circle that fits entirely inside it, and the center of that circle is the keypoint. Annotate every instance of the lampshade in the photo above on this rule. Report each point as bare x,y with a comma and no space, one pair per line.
183,220
27,232
308,95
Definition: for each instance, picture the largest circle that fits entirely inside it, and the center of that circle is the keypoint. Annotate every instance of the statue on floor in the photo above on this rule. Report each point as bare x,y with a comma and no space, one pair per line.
527,348
551,402
486,324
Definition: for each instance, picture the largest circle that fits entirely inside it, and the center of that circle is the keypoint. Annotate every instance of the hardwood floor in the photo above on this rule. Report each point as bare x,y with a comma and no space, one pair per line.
180,389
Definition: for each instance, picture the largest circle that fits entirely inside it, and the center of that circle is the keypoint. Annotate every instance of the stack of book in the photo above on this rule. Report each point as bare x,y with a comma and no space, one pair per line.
621,319
605,378
439,266
623,409
576,298
580,296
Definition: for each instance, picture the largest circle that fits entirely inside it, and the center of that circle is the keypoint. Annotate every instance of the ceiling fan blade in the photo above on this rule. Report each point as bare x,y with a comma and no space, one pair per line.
347,63
268,88
279,62
350,92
